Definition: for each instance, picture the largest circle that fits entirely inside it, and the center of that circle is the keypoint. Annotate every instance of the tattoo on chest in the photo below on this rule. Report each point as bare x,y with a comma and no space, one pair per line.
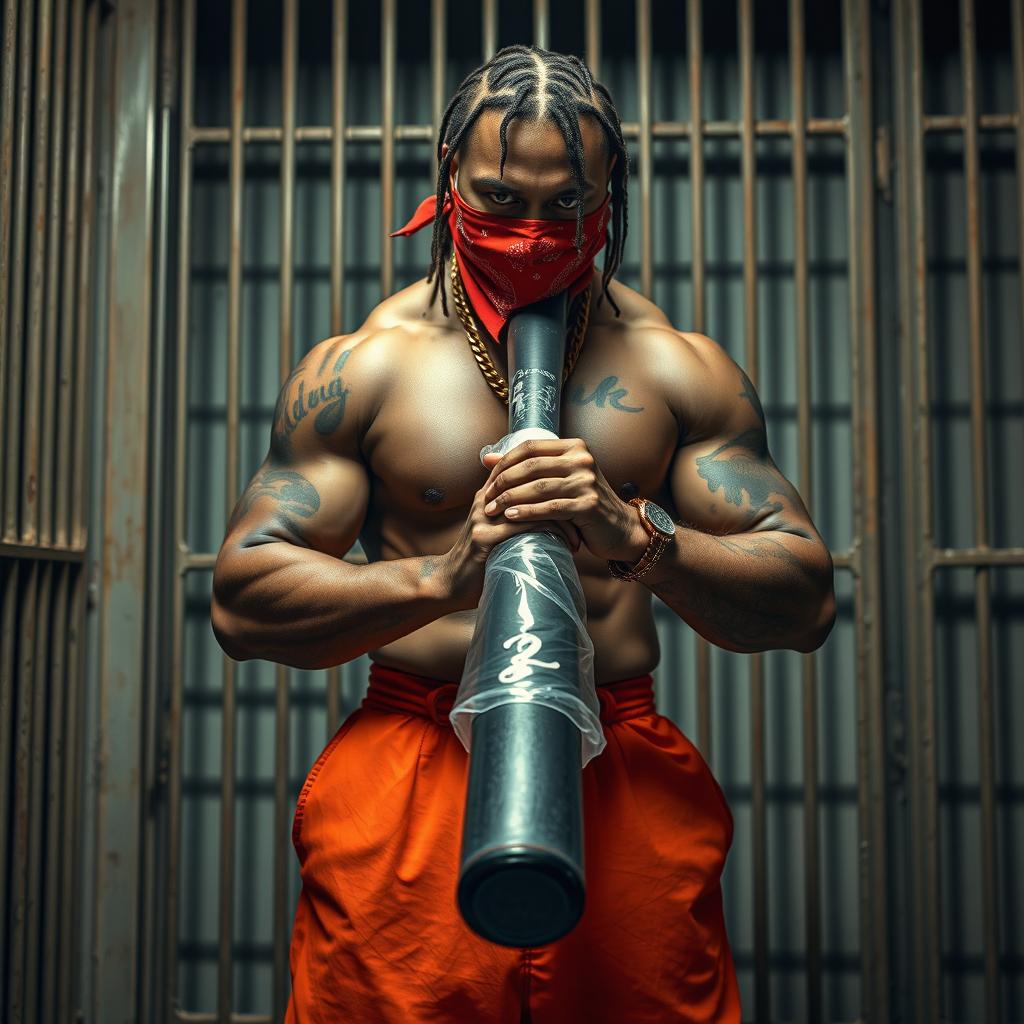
606,391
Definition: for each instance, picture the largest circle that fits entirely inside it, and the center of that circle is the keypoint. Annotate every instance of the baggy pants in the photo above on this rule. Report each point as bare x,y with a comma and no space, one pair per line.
378,937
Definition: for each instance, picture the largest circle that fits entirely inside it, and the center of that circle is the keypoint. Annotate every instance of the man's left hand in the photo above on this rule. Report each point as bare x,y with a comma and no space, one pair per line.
558,478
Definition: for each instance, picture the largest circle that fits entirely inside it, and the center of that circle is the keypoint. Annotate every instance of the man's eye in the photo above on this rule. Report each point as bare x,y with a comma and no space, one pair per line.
502,198
567,202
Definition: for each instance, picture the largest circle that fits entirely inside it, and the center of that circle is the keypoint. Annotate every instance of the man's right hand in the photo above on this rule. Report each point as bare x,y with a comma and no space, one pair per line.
463,564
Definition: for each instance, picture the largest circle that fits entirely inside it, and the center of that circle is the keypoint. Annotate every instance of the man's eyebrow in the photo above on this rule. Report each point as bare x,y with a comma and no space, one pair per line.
504,185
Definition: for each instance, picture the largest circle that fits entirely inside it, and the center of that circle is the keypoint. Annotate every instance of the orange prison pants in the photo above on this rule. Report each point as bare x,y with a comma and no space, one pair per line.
378,937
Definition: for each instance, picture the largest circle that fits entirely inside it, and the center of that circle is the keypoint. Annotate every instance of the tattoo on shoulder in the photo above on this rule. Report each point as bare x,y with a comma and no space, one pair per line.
606,391
746,469
326,398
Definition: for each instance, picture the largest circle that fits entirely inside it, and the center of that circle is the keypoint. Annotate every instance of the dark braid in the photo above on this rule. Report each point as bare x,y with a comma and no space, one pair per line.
510,81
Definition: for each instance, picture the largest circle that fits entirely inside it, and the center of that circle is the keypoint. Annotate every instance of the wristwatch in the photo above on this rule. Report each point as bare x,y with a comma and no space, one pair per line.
660,529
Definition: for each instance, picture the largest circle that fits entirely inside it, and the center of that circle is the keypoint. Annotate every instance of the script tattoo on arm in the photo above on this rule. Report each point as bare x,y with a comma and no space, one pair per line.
326,398
294,498
606,391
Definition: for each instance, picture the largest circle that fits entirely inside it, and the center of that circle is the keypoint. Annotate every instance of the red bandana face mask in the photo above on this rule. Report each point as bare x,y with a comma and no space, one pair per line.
510,262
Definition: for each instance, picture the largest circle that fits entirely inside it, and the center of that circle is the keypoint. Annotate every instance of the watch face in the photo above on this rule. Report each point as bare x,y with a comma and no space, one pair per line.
660,519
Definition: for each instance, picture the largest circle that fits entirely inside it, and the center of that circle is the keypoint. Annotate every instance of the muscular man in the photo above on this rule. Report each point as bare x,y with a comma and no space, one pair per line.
377,435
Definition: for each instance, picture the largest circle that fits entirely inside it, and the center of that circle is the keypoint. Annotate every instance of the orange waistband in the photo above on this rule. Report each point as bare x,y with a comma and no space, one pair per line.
393,689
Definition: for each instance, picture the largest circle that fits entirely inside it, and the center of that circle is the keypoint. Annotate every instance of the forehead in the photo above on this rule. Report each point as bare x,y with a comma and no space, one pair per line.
534,146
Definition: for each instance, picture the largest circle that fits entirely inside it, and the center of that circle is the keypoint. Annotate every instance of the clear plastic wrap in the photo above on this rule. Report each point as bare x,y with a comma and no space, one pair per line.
531,642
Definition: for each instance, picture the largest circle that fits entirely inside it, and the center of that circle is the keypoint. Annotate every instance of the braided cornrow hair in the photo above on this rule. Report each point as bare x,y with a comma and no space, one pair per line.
511,81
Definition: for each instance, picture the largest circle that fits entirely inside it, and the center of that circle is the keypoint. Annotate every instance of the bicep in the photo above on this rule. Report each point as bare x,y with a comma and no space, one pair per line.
312,489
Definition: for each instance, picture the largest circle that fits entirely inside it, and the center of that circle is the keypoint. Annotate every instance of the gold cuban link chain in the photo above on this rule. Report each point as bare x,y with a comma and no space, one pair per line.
498,383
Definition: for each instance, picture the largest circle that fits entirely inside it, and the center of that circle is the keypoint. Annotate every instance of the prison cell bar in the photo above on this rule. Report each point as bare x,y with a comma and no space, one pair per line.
801,294
339,64
643,87
592,31
7,79
1017,14
489,28
387,145
979,487
540,23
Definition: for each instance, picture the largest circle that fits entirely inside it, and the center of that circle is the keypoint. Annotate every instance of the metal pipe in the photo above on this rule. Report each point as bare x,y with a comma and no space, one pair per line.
177,650
63,529
7,80
541,21
225,926
16,324
979,489
387,145
489,19
10,572
592,28
762,1001
438,61
286,358
1018,88
643,63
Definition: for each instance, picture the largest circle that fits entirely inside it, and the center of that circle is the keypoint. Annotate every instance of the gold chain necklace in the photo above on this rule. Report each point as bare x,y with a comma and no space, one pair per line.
498,383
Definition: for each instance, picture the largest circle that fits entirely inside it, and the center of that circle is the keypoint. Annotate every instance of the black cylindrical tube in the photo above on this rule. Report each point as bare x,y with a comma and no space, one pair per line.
521,880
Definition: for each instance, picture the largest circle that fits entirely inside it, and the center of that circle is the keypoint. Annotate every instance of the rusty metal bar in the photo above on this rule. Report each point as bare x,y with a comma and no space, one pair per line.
438,60
944,557
925,903
177,650
695,57
56,750
801,315
7,80
872,753
979,489
62,529
51,413
489,18
387,145
371,133
22,741
762,1001
45,554
956,122
643,64
16,323
339,64
541,20
32,418
592,29
1018,88
83,296
286,358
10,572
225,929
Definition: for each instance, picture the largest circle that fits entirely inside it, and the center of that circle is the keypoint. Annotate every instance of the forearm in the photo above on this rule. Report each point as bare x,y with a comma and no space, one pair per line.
301,607
748,592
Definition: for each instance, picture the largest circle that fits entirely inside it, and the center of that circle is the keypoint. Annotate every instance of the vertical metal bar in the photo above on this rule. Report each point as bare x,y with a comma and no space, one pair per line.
541,18
643,64
438,60
30,454
10,571
489,17
286,345
62,531
695,57
872,754
801,312
37,769
16,324
83,296
387,144
925,904
979,488
762,1000
177,652
56,750
592,21
17,924
51,411
225,929
70,894
339,66
1017,10
9,52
